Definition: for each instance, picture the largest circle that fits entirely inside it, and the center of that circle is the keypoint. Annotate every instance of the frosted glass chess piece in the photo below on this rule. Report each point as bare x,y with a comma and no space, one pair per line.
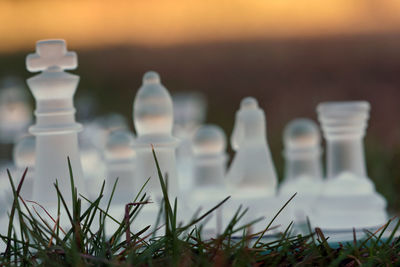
120,160
15,110
24,157
55,129
209,167
189,114
93,165
348,197
102,126
252,173
252,167
153,120
303,170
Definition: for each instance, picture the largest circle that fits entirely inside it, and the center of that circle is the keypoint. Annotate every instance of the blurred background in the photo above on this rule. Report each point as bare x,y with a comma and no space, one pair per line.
290,55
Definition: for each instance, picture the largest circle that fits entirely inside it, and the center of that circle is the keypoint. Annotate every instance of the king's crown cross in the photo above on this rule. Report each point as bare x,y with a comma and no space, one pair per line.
51,55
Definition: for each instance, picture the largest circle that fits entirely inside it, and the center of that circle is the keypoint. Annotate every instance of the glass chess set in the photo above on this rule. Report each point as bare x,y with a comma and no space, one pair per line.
192,156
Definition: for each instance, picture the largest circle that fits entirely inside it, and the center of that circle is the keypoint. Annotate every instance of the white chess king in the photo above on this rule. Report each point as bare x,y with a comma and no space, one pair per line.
55,128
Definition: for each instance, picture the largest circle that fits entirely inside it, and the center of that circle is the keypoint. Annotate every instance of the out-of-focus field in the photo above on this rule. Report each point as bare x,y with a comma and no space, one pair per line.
289,77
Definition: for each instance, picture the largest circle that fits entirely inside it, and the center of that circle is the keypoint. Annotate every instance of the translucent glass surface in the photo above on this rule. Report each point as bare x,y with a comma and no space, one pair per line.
55,128
153,112
348,198
153,120
209,139
252,165
24,152
119,145
209,156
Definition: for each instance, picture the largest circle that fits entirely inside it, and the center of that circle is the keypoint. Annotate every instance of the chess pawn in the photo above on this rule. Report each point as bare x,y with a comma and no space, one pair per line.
348,197
120,160
303,172
252,167
24,157
153,120
209,157
209,167
189,114
55,129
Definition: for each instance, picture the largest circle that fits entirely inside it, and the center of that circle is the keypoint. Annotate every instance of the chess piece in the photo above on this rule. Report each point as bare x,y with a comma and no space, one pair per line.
120,160
252,167
55,129
209,167
303,172
93,165
153,120
15,110
348,198
189,114
24,157
251,176
209,156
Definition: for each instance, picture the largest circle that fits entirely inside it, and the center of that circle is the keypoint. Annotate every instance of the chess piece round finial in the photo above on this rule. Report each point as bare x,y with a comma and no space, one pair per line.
209,139
119,145
151,77
153,109
301,133
249,103
24,152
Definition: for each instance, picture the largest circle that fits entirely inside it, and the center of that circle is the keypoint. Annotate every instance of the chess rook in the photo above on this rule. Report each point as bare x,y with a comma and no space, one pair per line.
344,125
348,198
153,120
55,128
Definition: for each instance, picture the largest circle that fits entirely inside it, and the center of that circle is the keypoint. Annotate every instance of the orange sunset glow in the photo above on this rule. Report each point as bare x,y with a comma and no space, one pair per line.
92,23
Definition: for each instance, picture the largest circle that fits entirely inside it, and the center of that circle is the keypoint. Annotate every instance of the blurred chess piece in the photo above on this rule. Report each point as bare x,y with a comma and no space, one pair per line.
93,165
252,167
55,129
15,110
348,198
303,170
24,157
251,176
153,120
189,114
120,160
209,167
99,129
209,146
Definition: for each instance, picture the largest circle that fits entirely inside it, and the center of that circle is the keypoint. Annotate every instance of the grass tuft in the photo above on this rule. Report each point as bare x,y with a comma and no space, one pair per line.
32,239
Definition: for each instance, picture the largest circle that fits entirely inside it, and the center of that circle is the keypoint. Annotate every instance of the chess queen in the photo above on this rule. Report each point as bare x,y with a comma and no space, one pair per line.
55,129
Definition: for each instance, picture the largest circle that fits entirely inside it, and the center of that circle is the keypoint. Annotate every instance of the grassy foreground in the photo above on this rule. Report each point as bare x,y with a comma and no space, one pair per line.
34,240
